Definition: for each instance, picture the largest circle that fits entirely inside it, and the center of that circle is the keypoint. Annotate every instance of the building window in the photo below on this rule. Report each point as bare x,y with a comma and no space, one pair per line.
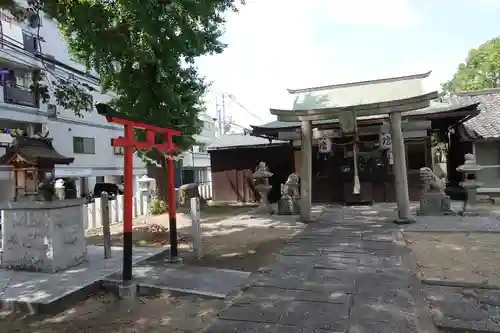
83,145
416,155
118,150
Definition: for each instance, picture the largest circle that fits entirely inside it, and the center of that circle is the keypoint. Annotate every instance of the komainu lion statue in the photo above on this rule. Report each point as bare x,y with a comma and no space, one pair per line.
291,188
431,182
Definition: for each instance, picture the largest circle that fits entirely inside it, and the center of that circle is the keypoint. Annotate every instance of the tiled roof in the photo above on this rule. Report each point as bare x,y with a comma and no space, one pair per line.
239,140
34,151
435,107
486,124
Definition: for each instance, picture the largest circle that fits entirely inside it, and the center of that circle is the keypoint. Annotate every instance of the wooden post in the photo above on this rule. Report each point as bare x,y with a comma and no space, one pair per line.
127,203
106,232
172,216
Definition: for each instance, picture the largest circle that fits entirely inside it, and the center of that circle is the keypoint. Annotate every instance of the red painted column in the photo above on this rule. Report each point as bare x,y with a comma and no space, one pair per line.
128,203
172,217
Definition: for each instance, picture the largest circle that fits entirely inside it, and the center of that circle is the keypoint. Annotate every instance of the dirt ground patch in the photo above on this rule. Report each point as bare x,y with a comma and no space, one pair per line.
468,257
103,313
231,244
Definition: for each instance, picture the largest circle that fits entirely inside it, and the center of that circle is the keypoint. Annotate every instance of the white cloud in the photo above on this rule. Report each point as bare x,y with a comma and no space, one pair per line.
273,46
398,14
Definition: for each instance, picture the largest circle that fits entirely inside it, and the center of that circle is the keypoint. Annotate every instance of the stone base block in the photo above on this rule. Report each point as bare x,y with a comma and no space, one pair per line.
289,206
174,260
435,205
43,236
471,212
264,209
409,220
127,291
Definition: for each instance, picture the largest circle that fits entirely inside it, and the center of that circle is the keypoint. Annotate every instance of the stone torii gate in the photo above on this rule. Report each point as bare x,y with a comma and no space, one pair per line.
345,102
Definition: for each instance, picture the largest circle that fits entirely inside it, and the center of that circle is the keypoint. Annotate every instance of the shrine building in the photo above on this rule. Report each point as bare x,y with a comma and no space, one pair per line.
359,142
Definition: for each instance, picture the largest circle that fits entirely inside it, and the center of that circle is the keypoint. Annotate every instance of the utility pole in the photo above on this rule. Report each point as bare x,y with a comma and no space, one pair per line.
223,113
219,116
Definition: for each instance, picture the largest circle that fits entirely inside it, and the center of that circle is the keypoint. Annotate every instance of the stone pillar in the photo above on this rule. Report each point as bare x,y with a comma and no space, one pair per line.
399,169
306,171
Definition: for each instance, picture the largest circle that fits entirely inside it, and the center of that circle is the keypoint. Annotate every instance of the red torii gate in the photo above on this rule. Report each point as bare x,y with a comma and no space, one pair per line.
128,142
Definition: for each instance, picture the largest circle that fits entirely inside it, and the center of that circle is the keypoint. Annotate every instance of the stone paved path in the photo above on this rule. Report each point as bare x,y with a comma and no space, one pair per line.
345,273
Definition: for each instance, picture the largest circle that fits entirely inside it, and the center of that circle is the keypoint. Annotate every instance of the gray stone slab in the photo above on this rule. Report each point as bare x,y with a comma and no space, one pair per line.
332,276
455,308
394,297
205,281
384,278
44,289
362,325
295,284
455,224
230,326
345,273
261,311
379,237
262,293
315,315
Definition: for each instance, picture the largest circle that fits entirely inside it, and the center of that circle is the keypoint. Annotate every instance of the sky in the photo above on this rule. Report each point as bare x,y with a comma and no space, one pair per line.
275,45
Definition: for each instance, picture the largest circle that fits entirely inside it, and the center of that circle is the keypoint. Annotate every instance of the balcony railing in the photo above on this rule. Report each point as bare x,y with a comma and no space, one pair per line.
19,96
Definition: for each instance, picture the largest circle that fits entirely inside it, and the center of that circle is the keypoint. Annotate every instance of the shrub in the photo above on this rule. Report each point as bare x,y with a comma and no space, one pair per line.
157,206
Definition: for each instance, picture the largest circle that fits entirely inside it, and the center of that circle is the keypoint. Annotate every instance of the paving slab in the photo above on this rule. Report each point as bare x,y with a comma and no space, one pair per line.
462,309
344,273
205,281
455,224
41,292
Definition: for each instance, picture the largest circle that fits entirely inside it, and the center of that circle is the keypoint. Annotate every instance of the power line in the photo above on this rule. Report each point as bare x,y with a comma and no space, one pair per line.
231,96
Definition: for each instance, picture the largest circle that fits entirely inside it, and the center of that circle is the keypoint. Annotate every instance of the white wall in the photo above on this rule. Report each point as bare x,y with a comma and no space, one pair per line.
488,155
103,162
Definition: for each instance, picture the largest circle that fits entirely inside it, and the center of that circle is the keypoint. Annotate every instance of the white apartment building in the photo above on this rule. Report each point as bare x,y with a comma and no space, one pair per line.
87,138
196,162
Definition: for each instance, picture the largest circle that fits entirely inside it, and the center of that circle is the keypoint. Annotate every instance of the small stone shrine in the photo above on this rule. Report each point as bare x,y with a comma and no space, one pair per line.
39,232
433,200
470,169
261,182
289,204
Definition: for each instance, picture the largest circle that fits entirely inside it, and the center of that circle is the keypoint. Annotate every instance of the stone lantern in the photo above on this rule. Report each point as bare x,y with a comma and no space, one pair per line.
59,187
470,169
146,185
261,182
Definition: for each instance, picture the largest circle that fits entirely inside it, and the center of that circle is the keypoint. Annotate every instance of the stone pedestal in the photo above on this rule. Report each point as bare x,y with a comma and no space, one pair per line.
469,207
470,169
435,204
43,236
264,206
289,206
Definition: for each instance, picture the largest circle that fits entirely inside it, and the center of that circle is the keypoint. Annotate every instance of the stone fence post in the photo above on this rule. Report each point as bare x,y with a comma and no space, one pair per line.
106,232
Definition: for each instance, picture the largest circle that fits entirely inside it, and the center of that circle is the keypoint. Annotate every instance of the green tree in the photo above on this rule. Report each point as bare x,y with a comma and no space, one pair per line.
481,69
143,52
